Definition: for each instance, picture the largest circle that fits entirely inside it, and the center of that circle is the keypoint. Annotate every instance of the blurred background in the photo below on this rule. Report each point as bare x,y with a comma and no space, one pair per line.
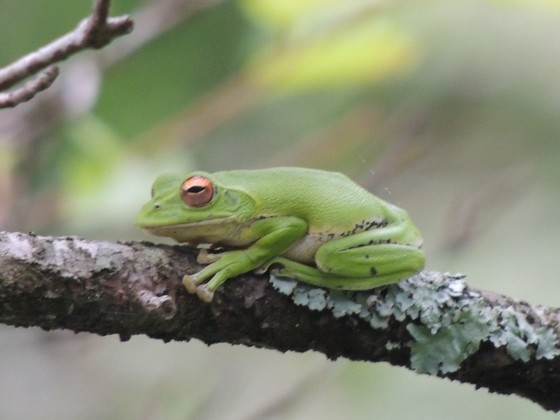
448,109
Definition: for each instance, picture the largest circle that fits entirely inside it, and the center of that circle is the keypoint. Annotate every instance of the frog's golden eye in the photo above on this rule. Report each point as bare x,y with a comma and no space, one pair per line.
197,191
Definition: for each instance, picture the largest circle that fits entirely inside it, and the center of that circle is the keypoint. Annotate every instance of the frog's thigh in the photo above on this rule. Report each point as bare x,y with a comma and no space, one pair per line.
352,257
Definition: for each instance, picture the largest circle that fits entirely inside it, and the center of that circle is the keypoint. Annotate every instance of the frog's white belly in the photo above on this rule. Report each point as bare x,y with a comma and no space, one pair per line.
305,249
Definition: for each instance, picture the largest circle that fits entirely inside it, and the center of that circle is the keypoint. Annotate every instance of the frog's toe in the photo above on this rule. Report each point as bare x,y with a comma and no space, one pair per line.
189,284
202,256
205,257
204,294
260,270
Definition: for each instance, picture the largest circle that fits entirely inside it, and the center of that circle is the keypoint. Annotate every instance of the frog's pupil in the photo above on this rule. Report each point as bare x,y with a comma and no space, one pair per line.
196,189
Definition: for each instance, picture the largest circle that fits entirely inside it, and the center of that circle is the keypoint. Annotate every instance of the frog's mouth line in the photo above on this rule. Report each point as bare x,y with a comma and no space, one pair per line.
225,230
189,225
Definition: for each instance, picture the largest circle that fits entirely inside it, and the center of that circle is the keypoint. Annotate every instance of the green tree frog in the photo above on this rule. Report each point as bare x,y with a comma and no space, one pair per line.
318,227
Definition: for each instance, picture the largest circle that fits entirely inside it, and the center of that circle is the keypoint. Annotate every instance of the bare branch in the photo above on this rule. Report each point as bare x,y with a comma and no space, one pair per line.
99,30
95,31
29,89
427,323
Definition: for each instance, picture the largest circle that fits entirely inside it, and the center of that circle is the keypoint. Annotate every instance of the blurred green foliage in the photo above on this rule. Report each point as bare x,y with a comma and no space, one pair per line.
174,71
449,109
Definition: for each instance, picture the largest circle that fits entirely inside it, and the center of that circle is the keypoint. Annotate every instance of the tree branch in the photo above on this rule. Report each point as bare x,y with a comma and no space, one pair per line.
432,323
95,31
28,91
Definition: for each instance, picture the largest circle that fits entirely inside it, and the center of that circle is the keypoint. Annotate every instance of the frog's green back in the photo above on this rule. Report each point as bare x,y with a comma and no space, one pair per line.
320,197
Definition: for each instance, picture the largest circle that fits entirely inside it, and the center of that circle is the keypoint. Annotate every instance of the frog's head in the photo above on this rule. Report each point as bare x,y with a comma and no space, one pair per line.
195,209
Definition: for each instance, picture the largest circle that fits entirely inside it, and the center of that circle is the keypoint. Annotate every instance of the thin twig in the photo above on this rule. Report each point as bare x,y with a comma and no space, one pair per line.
28,90
95,31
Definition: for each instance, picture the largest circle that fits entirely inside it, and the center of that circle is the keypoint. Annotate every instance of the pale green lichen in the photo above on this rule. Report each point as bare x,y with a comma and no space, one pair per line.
448,322
340,304
315,299
284,286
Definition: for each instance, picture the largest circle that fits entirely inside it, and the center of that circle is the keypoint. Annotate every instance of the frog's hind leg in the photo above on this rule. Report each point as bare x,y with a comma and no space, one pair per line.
389,260
314,276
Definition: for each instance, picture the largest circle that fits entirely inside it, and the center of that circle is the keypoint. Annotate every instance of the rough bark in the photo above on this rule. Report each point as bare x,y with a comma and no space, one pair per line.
135,288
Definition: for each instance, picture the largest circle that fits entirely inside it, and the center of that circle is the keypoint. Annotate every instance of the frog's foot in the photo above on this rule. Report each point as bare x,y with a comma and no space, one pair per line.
192,286
204,294
205,257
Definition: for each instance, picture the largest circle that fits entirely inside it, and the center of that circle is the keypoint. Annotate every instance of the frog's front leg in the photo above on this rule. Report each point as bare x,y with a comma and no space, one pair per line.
275,236
229,264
